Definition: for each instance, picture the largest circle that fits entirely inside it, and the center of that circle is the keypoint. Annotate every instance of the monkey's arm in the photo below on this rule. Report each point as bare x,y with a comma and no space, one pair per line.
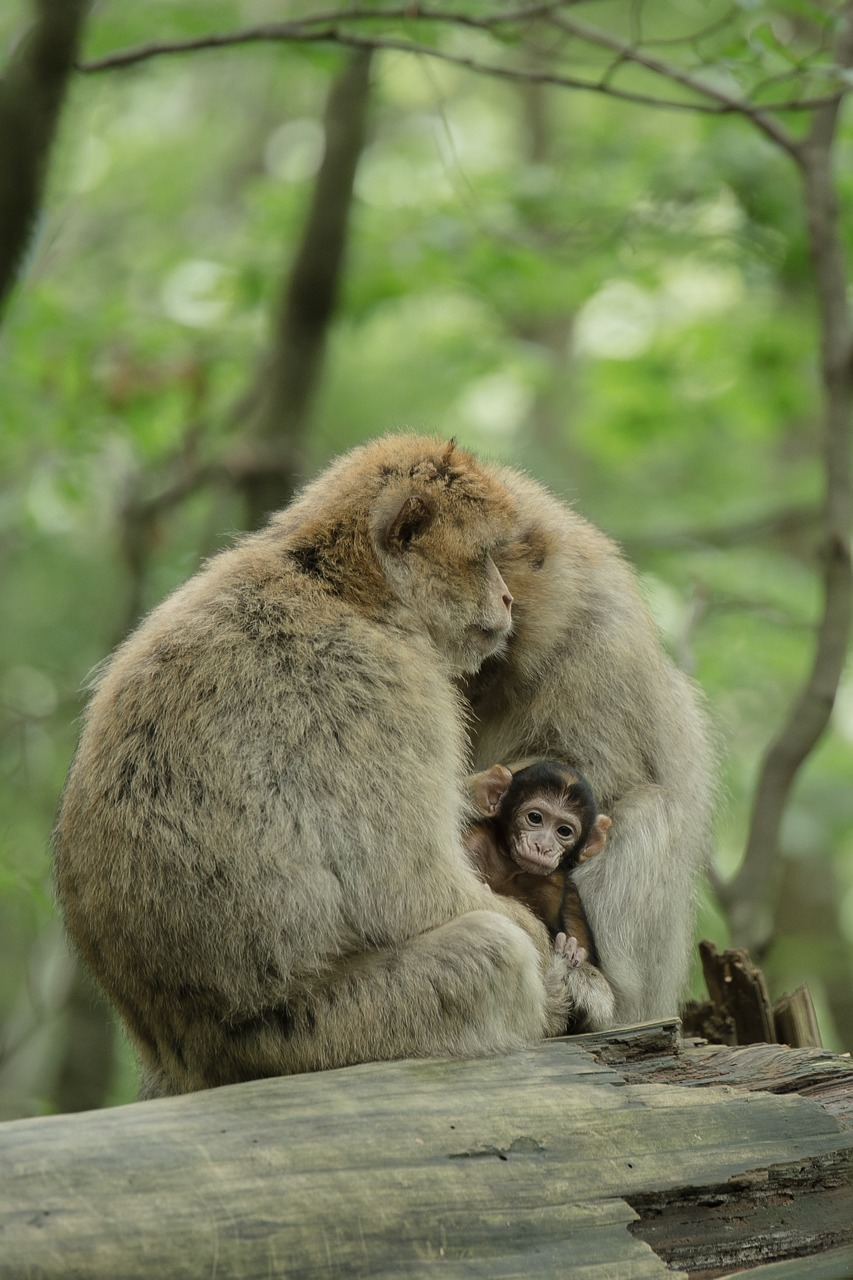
574,922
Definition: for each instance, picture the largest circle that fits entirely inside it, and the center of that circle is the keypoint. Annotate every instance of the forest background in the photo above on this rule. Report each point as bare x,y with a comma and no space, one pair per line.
473,218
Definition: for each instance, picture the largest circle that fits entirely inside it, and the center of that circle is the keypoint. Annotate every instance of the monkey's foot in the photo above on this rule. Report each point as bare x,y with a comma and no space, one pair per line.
568,946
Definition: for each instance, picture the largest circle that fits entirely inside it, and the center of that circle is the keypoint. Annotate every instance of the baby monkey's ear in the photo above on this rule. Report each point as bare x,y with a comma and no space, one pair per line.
399,518
489,789
597,837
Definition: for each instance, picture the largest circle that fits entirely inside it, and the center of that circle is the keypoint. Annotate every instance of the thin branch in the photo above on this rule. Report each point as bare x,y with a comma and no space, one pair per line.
322,29
726,102
322,26
693,39
799,72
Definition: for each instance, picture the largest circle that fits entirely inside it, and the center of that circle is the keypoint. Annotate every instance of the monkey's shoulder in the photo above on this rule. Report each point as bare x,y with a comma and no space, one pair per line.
234,660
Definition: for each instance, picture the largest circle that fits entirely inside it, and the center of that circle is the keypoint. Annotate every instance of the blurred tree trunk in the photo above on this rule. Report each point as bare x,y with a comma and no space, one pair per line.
88,1062
279,404
278,407
32,92
550,425
808,922
750,897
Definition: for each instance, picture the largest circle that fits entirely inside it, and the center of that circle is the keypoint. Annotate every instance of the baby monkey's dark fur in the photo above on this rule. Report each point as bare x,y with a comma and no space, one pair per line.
505,798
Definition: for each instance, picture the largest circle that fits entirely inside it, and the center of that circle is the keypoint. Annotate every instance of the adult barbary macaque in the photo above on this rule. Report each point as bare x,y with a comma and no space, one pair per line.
585,680
259,846
537,822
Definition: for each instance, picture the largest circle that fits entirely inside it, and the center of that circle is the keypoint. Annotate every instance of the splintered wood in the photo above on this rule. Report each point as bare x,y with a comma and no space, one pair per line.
740,1011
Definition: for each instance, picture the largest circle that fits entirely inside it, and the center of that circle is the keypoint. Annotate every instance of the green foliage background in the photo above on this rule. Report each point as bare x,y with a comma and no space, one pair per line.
616,299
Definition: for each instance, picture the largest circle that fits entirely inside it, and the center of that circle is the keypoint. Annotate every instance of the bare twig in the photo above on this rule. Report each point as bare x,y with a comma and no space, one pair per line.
322,26
726,102
719,24
338,30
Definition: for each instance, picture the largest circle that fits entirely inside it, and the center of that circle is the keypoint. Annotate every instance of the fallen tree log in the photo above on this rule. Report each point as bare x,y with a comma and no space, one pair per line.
599,1156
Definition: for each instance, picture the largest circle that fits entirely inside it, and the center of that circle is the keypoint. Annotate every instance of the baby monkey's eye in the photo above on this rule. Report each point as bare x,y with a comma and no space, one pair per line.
566,833
534,817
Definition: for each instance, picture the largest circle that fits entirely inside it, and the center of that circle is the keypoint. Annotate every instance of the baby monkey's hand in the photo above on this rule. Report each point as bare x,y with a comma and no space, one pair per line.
569,947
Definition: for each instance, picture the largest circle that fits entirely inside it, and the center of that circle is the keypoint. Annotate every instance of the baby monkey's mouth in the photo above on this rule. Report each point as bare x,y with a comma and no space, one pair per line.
537,864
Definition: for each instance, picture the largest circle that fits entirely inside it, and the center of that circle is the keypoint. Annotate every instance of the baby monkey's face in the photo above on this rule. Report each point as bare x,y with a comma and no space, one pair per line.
543,832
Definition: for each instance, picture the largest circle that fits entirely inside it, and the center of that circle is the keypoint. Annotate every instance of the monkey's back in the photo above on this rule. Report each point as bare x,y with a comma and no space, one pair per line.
216,841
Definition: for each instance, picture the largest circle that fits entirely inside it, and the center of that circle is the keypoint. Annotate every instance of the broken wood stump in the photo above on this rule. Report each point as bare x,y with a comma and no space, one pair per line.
740,1011
615,1155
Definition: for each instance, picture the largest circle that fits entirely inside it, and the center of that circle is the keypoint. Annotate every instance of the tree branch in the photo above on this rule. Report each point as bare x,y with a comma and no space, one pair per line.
324,26
32,91
326,29
726,102
811,711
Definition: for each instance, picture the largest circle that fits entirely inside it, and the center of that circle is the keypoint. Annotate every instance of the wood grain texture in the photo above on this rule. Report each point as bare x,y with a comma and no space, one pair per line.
540,1163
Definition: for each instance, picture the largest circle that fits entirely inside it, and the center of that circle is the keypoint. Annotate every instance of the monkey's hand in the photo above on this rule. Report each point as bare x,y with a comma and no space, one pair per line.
568,946
593,1002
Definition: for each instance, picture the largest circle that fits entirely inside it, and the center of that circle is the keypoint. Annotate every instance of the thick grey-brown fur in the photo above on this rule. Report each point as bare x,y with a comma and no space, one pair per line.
258,849
585,680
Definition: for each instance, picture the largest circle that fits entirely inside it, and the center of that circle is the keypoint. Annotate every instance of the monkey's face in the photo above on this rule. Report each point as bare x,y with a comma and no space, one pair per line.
463,604
543,832
489,611
436,544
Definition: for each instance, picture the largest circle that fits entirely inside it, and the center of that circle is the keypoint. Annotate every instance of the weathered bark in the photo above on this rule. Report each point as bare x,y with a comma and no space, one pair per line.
280,404
577,1157
32,92
656,1054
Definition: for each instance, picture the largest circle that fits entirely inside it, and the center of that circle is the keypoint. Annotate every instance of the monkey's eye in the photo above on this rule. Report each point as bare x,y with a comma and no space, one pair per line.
566,833
534,817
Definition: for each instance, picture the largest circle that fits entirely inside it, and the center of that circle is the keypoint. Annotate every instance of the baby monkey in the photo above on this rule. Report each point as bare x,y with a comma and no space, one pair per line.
537,824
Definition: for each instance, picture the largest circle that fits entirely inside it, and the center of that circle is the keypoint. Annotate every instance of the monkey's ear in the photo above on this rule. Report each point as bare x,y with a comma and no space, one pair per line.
597,837
490,788
398,521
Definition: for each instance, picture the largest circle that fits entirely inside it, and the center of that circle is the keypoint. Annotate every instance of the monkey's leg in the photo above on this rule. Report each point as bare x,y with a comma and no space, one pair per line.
473,986
638,894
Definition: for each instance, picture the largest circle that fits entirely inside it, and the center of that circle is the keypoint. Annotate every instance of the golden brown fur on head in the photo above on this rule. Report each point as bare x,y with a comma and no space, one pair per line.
385,512
346,491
